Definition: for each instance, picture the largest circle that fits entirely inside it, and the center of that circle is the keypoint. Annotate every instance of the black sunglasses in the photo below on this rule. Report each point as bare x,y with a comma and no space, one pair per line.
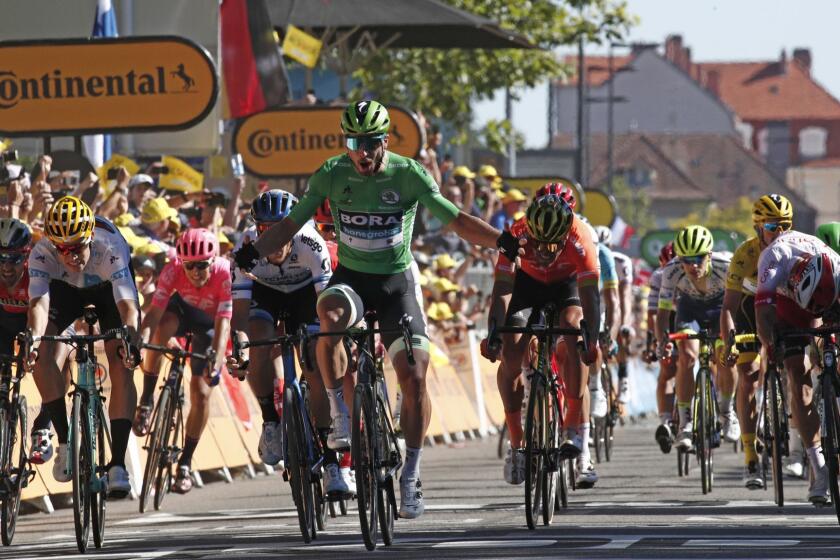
200,265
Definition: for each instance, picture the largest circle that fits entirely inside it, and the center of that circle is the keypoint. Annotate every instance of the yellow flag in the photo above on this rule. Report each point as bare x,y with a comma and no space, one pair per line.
181,176
116,162
301,46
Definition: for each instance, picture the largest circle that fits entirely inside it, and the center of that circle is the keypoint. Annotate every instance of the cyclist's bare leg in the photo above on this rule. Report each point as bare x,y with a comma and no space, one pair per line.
319,405
688,351
51,384
152,361
199,406
416,412
510,389
121,402
748,378
334,314
664,404
805,415
265,365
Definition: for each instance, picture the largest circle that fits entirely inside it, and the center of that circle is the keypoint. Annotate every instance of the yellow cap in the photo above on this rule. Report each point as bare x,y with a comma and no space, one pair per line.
157,210
124,219
443,285
423,280
514,195
223,239
463,171
440,311
444,261
488,171
149,249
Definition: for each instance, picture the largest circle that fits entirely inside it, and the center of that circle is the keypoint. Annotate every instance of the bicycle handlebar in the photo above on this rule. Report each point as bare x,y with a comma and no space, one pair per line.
178,352
361,334
493,341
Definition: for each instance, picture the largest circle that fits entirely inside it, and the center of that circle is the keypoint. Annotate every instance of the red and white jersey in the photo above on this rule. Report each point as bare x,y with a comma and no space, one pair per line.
16,300
779,258
577,259
214,298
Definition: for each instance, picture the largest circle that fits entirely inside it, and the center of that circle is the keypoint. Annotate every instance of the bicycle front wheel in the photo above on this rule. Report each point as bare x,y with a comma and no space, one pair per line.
831,437
298,466
385,496
704,419
535,439
80,464
173,443
551,468
156,441
362,442
777,435
97,499
14,467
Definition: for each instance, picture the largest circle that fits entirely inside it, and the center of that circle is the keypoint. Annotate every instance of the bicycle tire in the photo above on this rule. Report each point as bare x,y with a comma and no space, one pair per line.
703,428
320,503
174,444
342,506
386,499
831,433
609,431
156,441
776,447
98,501
14,464
609,420
598,427
562,485
80,465
363,458
534,450
297,466
552,444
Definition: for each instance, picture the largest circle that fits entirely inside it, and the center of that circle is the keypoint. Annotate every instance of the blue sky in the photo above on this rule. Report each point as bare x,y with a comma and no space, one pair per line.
714,30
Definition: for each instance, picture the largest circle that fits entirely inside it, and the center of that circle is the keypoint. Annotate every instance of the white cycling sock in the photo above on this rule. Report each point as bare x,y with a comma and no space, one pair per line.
583,429
815,456
665,418
411,467
337,405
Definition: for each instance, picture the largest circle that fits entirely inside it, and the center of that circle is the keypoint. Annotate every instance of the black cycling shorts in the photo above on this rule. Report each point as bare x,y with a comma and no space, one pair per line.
695,314
67,303
10,325
745,324
390,295
195,321
294,308
529,296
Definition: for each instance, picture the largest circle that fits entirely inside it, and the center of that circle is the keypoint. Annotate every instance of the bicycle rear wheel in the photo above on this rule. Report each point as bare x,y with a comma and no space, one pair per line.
362,443
535,440
551,469
831,437
298,465
609,421
98,499
80,464
14,466
776,435
155,443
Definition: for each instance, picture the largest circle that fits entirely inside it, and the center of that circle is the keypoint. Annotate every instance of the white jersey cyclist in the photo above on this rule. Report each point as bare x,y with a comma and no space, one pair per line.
308,263
110,260
779,258
655,284
676,282
623,267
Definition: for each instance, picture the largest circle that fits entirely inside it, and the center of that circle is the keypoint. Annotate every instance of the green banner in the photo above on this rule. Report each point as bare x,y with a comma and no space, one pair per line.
653,242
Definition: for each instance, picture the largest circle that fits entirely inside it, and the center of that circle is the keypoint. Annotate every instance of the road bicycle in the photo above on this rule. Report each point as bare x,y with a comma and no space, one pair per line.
544,468
166,438
374,442
303,452
89,438
15,470
603,427
706,428
827,393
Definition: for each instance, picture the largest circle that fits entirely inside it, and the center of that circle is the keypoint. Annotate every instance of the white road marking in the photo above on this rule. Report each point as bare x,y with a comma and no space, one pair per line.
495,543
618,543
758,543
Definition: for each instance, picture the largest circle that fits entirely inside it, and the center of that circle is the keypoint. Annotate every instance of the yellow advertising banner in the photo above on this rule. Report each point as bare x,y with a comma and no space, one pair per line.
301,46
89,86
115,162
295,142
181,176
600,208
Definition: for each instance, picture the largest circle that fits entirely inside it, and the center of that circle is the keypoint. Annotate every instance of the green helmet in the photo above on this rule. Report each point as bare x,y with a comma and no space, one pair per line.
693,241
830,234
548,219
365,117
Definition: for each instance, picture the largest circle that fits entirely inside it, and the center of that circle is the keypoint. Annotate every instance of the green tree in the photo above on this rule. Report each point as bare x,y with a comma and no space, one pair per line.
633,206
444,83
734,217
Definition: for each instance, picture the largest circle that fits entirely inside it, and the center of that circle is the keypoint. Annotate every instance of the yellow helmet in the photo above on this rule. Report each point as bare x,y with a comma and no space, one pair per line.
69,221
772,207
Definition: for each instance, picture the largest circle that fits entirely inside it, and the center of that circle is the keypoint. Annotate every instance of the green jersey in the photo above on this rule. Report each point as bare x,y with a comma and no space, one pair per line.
374,216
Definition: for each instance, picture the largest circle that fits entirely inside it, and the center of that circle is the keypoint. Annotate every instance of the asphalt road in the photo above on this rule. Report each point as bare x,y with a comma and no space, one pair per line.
639,509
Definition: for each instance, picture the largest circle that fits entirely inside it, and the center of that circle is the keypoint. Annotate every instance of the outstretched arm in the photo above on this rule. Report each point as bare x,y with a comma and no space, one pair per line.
474,230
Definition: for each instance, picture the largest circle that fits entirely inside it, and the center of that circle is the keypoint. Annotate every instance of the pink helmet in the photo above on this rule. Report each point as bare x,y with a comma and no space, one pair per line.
197,244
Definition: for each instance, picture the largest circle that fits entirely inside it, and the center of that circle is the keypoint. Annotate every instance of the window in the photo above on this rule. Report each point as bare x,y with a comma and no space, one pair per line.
812,141
637,176
761,138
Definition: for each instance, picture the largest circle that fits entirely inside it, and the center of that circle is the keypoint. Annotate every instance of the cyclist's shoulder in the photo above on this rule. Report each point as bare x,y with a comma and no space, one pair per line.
408,172
336,164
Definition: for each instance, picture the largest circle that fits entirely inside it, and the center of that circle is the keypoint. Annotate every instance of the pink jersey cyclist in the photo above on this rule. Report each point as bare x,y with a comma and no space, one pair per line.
213,299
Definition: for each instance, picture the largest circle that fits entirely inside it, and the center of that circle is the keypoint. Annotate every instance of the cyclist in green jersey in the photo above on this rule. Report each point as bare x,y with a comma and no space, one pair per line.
373,196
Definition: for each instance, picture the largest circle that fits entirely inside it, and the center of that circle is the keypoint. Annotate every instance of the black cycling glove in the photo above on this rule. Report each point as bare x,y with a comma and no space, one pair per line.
246,257
508,245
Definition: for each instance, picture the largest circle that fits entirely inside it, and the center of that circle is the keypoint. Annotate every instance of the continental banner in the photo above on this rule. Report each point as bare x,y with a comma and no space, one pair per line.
90,86
295,141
